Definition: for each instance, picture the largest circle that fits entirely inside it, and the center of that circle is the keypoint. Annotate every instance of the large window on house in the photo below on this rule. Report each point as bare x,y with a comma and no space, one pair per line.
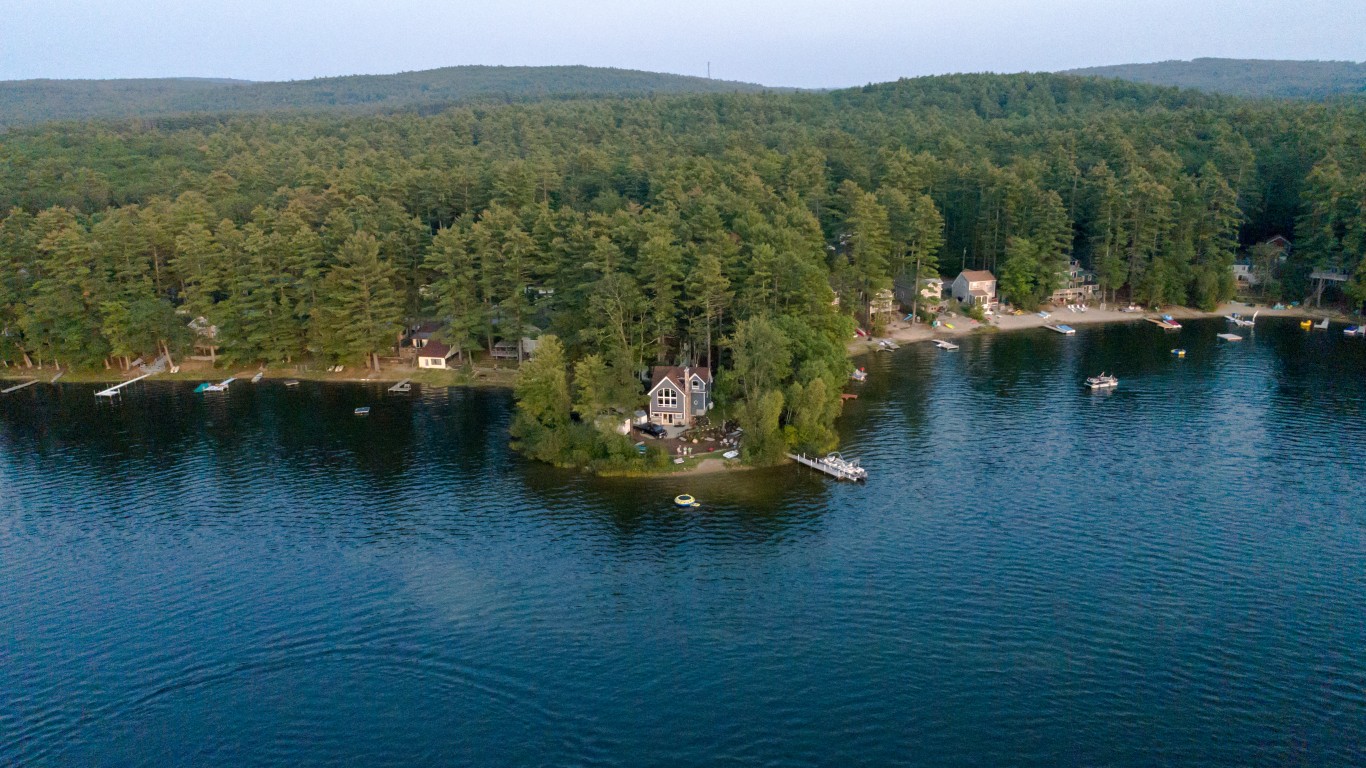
667,398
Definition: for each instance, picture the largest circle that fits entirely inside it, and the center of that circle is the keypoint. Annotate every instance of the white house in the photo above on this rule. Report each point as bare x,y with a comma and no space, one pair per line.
434,354
679,395
1246,276
975,286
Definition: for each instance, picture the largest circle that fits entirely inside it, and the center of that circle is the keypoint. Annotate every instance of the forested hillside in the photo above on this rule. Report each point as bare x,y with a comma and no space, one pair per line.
712,229
25,102
1245,77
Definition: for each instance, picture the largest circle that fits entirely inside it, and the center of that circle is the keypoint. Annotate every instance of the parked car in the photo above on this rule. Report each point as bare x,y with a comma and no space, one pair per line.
653,430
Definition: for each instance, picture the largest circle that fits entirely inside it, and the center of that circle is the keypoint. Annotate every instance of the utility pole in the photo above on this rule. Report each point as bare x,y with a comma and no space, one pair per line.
709,70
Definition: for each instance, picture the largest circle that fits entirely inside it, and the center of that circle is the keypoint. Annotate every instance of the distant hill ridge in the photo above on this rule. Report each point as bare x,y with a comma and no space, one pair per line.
1263,78
35,101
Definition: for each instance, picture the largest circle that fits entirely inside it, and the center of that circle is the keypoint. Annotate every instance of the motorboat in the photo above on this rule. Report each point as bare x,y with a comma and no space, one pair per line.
1170,322
1103,381
1354,330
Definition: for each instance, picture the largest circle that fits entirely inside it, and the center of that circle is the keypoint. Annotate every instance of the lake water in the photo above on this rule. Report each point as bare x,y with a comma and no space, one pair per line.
1170,574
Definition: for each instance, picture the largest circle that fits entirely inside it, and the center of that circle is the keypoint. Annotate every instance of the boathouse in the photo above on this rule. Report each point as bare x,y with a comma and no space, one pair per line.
679,395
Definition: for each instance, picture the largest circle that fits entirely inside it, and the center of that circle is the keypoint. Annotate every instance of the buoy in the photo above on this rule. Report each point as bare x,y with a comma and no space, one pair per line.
684,500
1179,352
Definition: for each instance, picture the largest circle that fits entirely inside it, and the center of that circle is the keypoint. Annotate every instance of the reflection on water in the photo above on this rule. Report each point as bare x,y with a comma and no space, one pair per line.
1170,573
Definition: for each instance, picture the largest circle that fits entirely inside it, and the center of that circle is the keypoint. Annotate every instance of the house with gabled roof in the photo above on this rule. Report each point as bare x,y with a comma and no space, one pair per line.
975,286
678,395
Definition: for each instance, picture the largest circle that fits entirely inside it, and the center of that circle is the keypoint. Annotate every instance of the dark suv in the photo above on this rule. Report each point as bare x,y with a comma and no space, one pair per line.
653,430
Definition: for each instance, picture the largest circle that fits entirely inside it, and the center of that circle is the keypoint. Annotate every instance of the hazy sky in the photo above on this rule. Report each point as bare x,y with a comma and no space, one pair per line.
775,42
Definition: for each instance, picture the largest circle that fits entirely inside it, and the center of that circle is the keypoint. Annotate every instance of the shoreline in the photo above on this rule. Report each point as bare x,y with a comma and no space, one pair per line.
901,332
505,378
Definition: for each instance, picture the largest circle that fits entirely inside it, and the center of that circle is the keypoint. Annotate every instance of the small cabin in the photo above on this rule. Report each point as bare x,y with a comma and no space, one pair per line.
434,354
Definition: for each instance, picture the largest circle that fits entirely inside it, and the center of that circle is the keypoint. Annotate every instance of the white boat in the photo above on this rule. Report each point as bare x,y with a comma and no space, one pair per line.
292,383
364,410
859,375
1354,330
1103,381
257,378
1321,325
1240,321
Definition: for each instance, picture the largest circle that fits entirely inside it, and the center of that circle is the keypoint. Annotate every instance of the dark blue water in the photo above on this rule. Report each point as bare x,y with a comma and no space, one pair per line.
1171,574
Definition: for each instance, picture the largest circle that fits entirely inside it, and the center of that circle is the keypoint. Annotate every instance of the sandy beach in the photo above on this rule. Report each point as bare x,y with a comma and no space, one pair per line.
902,332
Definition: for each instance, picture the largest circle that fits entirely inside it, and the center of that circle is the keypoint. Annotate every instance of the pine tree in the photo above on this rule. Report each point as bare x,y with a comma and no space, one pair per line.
360,306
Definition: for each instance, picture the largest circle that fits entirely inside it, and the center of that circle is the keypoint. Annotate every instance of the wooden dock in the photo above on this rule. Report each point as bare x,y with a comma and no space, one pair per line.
1163,324
403,386
18,387
114,390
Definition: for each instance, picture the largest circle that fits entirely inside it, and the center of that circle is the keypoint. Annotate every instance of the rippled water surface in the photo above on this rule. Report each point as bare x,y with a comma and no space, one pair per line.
1174,573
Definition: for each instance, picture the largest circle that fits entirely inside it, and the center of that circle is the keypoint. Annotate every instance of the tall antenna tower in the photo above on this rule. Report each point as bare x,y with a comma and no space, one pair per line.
709,70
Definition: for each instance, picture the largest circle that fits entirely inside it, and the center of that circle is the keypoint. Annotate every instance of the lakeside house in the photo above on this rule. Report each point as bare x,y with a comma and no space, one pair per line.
512,350
1079,286
1245,275
434,354
975,286
679,395
883,303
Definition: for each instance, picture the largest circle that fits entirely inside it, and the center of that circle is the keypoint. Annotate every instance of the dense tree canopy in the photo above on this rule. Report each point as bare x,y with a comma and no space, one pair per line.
689,229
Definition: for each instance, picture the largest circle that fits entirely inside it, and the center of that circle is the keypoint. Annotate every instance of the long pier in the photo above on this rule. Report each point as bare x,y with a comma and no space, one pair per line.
18,387
114,390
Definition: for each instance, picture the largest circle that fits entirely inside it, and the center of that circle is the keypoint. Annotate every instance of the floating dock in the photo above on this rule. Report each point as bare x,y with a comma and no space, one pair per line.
402,386
1230,337
114,390
945,344
1065,330
18,387
834,465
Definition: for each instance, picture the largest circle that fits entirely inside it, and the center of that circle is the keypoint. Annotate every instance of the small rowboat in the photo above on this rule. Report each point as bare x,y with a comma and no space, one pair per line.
684,500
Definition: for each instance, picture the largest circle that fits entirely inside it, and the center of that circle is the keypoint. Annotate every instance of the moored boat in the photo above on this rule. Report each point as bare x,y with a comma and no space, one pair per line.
1103,381
1354,330
1179,352
364,410
859,375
